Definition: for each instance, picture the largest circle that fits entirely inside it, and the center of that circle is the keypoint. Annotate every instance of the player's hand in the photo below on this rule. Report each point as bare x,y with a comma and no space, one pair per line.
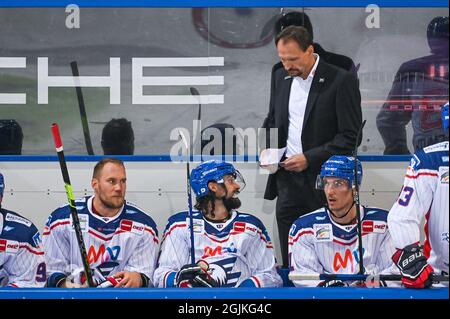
195,275
416,272
128,279
295,163
332,283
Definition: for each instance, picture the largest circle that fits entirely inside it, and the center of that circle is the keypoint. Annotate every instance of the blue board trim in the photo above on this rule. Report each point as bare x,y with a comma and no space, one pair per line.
224,3
225,293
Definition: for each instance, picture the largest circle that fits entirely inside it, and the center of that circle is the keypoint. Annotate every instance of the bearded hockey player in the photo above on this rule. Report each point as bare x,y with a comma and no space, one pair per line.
22,261
121,240
232,249
326,240
424,195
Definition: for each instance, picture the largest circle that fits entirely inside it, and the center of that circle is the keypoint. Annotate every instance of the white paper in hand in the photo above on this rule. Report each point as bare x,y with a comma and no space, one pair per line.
270,158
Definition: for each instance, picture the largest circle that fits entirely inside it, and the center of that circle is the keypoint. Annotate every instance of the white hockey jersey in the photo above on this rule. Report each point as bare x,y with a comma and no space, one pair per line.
318,245
125,242
240,249
424,194
22,262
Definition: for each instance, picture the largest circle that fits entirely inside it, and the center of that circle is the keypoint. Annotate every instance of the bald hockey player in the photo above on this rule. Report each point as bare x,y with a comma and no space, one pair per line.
120,239
22,261
326,240
232,249
424,195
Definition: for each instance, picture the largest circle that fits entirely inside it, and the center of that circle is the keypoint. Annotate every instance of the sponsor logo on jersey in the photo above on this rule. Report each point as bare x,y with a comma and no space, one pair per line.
218,250
443,173
84,222
239,227
374,226
347,261
436,147
323,232
103,254
444,159
132,226
343,262
130,212
9,246
198,225
251,230
17,219
321,217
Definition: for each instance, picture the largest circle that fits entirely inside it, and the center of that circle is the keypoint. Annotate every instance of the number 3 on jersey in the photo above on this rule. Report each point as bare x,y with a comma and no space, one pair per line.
405,195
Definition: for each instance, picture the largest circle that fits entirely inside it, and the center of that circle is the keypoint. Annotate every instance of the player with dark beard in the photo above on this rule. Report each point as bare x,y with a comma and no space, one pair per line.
232,249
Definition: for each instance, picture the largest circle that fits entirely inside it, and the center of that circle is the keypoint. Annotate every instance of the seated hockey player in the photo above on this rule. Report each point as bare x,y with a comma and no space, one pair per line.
326,240
22,261
232,249
424,194
120,239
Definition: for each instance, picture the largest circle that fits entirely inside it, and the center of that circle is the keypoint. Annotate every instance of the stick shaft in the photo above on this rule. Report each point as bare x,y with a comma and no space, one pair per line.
191,218
356,199
71,201
354,277
82,107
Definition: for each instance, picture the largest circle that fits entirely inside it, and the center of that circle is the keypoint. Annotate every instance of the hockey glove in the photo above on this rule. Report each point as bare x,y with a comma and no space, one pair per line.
332,283
75,280
416,272
195,275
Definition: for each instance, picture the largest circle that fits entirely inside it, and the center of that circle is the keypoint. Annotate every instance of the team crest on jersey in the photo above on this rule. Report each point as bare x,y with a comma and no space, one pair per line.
323,232
443,173
374,226
131,226
9,246
84,222
17,219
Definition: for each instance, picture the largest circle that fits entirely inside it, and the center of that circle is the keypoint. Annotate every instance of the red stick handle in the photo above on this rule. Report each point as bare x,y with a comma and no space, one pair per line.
57,137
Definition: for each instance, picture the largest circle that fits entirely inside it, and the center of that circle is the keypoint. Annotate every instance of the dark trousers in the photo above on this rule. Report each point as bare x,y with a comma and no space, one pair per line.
296,196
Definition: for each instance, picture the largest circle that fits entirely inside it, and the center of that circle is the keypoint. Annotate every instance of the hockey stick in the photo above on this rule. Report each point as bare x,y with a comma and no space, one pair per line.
71,200
194,92
356,199
84,122
356,277
189,193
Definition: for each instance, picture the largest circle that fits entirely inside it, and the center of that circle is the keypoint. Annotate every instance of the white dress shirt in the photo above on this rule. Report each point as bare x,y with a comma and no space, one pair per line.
297,106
